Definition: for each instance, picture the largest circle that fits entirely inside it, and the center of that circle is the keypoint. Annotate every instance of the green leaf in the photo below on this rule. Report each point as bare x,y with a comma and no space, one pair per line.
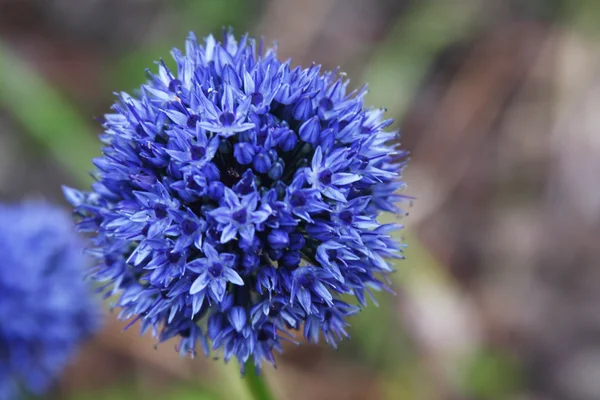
493,375
403,60
47,116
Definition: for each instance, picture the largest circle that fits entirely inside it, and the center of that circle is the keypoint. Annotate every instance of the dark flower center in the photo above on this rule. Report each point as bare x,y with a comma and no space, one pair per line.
263,335
173,256
197,152
185,333
325,177
240,216
139,129
275,308
188,227
174,85
257,98
326,104
332,254
191,122
365,129
354,192
216,269
298,199
109,259
306,281
346,216
160,210
261,136
227,118
192,184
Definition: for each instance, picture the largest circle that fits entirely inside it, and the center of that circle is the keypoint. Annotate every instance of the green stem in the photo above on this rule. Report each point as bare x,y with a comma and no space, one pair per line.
257,387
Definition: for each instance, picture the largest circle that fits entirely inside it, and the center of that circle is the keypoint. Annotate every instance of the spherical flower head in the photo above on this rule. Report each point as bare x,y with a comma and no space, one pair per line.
46,308
237,200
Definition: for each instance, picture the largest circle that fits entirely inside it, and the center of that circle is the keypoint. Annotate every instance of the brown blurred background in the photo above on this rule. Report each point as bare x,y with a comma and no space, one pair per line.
499,297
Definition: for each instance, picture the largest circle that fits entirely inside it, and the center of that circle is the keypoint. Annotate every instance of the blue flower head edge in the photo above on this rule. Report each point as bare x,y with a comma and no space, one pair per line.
237,199
46,308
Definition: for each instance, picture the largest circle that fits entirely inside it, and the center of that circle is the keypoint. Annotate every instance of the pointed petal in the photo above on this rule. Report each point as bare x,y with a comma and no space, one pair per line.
343,178
237,318
229,233
199,284
305,300
210,251
232,276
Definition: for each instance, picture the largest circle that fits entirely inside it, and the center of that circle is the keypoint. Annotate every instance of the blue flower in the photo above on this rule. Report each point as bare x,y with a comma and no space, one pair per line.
230,119
239,215
326,174
214,271
46,309
237,201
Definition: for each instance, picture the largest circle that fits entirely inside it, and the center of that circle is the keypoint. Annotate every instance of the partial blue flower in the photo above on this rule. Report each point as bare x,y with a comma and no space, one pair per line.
46,309
237,201
214,271
239,216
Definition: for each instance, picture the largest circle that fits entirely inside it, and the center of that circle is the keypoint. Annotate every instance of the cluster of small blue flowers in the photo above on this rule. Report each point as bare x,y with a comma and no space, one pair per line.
46,309
237,198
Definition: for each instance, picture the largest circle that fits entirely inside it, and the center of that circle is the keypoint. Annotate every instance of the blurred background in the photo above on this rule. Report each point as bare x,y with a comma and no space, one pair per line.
499,297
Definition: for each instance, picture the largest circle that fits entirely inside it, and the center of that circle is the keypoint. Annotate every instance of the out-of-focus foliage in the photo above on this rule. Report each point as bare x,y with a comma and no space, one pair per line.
46,115
201,17
126,391
491,375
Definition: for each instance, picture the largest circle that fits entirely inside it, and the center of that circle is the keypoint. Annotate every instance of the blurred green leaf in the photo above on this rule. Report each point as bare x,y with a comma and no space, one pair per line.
492,375
377,335
46,115
130,391
207,16
128,72
202,17
583,15
117,392
188,394
404,58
